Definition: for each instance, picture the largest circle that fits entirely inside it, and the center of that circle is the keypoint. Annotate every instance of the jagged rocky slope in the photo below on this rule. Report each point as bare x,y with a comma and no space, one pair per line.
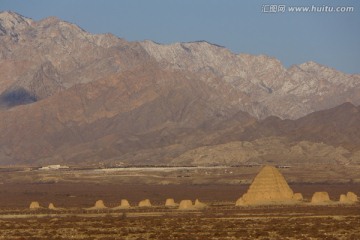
68,96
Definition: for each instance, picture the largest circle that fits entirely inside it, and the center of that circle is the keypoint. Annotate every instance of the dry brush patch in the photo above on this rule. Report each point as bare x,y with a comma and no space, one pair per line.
319,222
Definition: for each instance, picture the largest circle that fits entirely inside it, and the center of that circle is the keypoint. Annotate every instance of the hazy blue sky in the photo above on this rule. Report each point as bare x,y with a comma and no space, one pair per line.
331,39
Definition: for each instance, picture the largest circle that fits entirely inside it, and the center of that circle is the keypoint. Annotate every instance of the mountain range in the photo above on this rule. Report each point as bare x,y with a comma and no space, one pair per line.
71,97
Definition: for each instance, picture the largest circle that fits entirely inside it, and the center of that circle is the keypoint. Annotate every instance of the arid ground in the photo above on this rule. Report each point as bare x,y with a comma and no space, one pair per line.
216,222
219,187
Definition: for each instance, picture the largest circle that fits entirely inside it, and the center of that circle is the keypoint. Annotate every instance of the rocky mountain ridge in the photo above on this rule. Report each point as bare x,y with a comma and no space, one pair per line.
269,87
261,85
67,96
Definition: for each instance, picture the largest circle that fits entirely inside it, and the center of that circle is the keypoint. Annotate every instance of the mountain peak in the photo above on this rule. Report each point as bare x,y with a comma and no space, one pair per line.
11,21
71,96
312,66
206,43
61,24
49,20
8,15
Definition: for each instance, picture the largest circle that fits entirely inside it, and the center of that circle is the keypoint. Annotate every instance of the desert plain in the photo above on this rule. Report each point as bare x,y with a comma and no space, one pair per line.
140,123
74,189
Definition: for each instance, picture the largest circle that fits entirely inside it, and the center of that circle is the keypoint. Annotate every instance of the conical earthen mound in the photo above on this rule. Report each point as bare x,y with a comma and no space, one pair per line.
199,205
170,202
268,187
145,203
298,197
34,205
99,204
186,205
124,204
352,197
52,207
343,199
320,198
349,198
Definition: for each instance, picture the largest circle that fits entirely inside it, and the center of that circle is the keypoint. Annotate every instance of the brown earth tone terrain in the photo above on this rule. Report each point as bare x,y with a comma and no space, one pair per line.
74,192
148,123
82,188
71,97
217,223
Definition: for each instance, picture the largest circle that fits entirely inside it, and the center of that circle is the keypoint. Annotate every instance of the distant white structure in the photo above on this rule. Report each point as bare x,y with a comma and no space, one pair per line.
53,167
283,166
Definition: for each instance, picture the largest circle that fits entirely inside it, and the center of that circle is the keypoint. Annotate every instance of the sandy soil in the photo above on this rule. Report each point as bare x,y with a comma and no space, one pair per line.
216,222
218,187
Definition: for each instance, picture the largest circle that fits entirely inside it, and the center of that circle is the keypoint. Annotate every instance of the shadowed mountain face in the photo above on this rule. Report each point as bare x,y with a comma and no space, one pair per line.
328,136
67,96
45,82
15,97
339,126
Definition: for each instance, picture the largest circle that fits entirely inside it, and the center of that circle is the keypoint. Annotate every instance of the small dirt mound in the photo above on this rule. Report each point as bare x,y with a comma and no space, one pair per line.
320,198
349,198
124,204
34,205
298,197
99,204
52,207
352,197
145,203
199,205
170,202
186,205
